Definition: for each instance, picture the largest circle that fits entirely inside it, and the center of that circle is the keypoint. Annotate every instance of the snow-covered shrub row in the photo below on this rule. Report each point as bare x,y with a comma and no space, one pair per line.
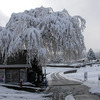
95,67
43,33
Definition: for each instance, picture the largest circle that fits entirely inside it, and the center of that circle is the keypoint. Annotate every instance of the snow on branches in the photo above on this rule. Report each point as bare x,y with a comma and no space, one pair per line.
43,32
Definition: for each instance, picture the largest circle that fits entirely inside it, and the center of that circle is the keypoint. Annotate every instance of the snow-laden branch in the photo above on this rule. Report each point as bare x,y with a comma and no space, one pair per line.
43,32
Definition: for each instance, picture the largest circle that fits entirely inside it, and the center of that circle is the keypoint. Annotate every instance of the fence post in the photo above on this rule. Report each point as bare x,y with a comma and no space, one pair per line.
98,79
85,76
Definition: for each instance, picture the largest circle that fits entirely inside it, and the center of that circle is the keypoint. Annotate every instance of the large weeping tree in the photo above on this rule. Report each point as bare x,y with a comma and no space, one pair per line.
44,34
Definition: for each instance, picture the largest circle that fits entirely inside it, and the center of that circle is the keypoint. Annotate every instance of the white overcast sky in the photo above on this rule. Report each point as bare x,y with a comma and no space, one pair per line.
88,9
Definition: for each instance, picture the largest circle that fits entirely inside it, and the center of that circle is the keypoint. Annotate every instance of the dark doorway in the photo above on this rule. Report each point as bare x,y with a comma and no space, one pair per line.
12,75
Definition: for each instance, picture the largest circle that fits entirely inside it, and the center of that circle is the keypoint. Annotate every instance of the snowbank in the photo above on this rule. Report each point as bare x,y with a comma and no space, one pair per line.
69,97
95,90
10,94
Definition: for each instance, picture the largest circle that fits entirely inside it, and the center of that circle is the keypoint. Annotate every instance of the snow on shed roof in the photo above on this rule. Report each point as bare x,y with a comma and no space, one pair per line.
15,66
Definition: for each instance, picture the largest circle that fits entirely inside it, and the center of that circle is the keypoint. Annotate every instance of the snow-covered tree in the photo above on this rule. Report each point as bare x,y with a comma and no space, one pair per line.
43,33
91,55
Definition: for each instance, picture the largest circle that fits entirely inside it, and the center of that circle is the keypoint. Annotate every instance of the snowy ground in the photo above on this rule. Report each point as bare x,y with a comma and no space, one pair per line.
10,94
93,74
69,97
92,81
51,70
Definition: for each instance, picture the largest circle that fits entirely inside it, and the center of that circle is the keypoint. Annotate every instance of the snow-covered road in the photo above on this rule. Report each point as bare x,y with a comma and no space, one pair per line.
61,87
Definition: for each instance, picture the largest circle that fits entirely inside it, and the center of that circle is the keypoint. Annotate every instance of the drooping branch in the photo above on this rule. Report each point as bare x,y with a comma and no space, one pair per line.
43,32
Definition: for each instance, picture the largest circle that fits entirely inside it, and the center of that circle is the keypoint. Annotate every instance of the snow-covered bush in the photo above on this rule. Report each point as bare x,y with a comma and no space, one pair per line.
43,33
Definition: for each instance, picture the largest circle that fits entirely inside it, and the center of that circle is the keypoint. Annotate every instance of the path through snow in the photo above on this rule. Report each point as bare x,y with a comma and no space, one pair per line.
61,87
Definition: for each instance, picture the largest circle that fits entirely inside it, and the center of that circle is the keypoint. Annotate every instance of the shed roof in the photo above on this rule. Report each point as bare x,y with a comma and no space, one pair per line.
15,66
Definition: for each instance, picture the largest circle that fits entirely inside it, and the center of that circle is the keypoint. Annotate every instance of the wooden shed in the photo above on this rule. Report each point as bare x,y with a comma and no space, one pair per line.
17,69
13,73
